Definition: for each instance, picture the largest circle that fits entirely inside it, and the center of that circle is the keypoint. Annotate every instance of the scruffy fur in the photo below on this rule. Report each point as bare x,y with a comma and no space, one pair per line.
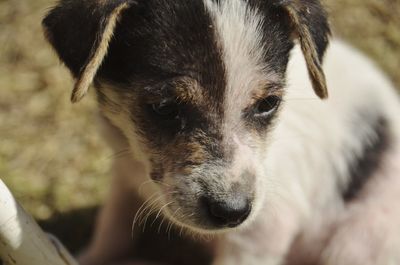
221,104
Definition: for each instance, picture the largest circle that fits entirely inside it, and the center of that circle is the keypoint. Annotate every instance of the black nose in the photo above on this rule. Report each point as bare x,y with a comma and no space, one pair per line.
228,213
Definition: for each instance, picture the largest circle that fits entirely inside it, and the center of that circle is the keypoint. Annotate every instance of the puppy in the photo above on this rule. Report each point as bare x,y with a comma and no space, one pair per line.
216,106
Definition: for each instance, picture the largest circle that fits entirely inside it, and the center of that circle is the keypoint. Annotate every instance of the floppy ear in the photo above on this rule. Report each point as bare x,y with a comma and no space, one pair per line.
80,32
309,21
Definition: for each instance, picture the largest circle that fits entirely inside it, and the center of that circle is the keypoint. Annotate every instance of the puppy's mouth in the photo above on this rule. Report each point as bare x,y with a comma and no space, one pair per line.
210,215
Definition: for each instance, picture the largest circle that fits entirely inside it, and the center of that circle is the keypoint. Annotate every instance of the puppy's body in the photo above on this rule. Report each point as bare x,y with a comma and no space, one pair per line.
198,96
308,219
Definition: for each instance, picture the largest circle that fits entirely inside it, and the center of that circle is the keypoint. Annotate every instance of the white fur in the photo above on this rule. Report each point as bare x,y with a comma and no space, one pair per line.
313,135
238,29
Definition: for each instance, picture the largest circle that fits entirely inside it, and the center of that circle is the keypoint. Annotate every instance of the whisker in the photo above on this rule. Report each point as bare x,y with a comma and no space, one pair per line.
169,228
159,212
161,223
170,223
139,211
120,153
180,233
152,207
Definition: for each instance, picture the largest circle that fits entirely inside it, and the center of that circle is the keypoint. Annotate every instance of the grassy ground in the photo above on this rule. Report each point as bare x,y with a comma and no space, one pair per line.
50,152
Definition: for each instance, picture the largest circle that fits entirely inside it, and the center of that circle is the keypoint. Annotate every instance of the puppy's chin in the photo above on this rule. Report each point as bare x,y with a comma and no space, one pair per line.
202,227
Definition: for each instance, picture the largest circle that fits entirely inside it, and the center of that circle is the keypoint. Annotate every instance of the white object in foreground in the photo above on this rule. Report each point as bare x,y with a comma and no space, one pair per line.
22,242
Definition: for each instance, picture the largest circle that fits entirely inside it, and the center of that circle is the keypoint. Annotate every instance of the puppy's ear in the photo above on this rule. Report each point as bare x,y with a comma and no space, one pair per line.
80,32
310,25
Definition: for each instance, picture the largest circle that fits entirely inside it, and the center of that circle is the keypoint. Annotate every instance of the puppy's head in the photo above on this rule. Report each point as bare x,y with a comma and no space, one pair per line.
195,86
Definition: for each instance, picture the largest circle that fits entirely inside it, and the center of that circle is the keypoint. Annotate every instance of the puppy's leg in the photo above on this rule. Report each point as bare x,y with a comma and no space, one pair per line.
369,233
113,238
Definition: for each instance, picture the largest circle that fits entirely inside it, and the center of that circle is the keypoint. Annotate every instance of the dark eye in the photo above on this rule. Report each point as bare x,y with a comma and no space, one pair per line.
167,109
267,106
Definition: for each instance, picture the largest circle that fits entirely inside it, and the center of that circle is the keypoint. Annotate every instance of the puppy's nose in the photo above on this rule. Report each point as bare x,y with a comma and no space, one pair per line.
228,213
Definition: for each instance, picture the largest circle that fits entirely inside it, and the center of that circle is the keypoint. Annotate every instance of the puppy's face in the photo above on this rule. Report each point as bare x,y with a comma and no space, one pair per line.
196,87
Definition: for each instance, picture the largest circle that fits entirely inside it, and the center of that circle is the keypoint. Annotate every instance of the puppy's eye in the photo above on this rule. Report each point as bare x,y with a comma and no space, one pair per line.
267,106
167,109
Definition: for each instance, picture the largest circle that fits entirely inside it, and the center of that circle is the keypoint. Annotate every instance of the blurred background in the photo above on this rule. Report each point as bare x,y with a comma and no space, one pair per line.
51,154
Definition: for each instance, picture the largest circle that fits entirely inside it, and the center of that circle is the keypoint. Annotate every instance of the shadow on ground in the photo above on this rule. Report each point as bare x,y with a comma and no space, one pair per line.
74,229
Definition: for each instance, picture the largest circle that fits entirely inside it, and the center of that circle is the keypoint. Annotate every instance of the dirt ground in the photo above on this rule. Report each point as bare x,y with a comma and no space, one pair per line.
51,154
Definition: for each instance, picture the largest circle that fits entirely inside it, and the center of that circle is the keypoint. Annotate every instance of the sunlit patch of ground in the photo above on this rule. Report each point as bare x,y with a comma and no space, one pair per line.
51,154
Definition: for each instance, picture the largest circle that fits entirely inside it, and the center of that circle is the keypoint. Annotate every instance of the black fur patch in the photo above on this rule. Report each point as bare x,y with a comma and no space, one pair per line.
162,39
276,34
74,27
363,168
157,44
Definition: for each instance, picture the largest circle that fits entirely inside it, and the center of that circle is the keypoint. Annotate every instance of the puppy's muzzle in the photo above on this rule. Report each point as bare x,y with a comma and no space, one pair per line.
227,212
